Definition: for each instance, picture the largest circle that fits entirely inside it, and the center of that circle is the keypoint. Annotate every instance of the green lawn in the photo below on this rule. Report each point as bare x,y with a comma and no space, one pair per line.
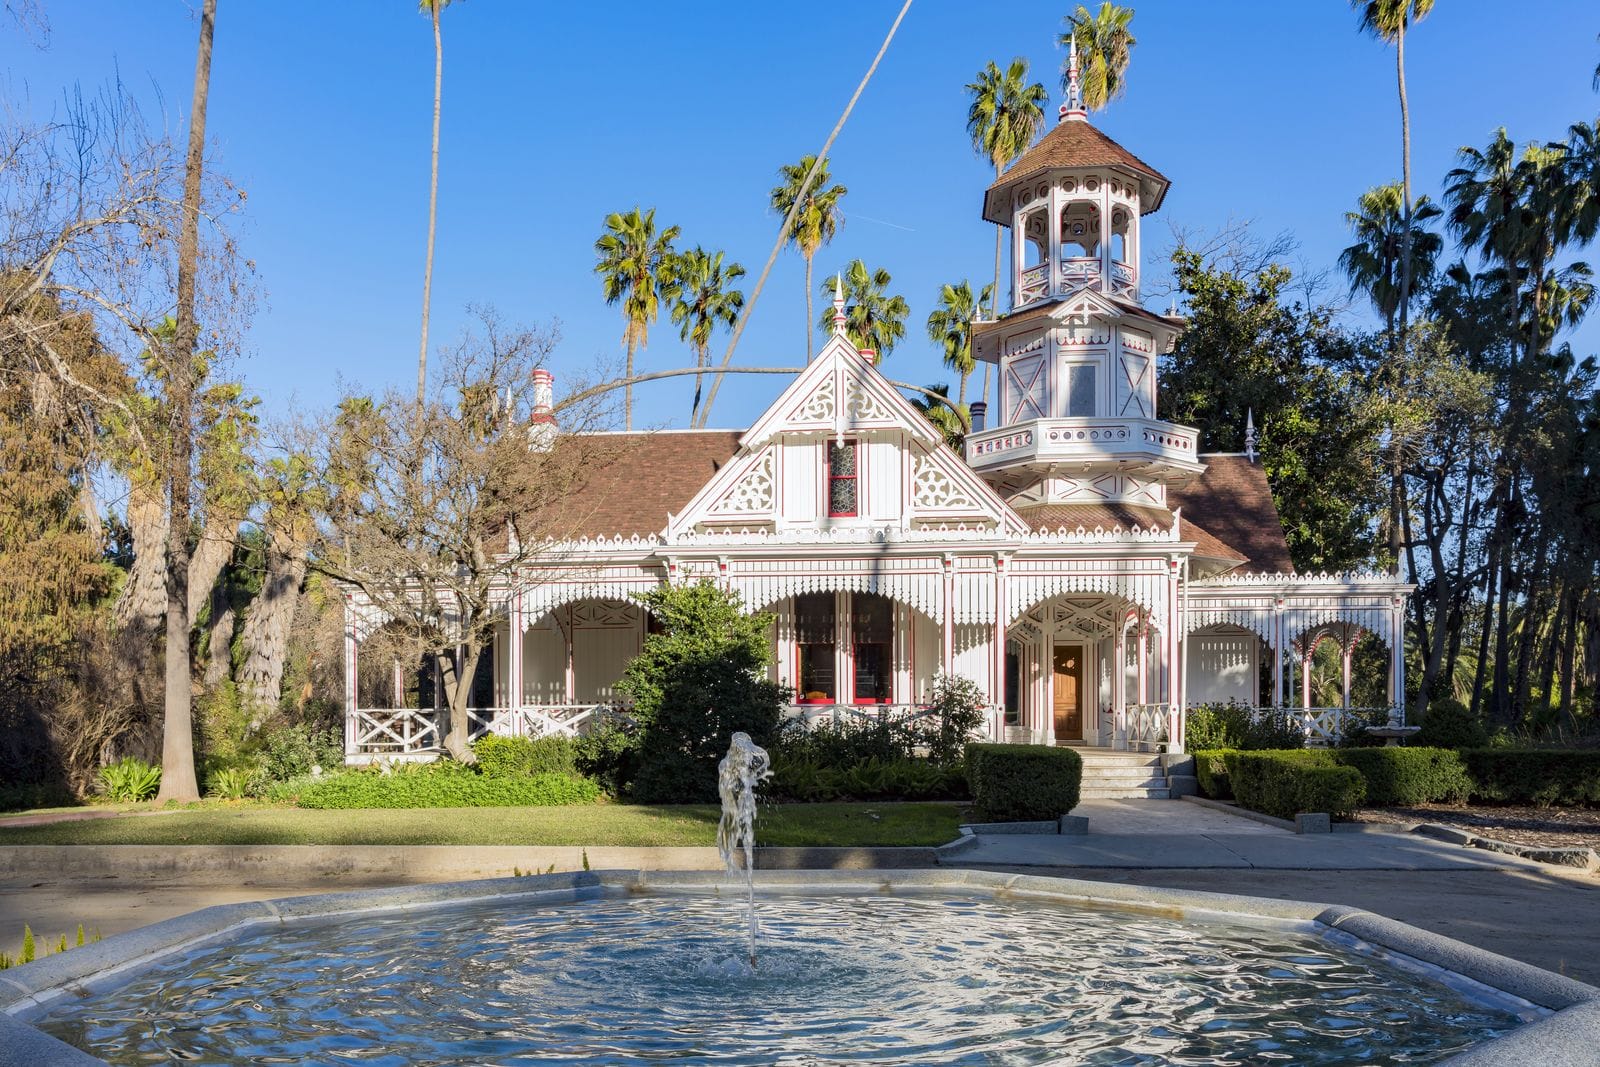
606,824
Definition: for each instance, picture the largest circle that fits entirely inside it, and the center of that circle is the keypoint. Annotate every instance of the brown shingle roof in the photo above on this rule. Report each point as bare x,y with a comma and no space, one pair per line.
1110,516
1077,144
654,474
1233,500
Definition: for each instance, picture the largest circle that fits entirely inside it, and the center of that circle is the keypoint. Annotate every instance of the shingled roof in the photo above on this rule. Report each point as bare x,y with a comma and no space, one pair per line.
1233,501
1075,144
1126,516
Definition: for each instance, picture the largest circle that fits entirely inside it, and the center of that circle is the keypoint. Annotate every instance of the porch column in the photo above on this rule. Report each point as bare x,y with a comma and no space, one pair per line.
1397,662
1170,654
351,687
1277,654
514,665
949,652
1119,688
1346,654
1143,691
569,676
999,688
1305,675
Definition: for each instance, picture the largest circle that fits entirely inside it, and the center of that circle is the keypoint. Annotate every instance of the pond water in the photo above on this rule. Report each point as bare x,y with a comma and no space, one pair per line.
905,979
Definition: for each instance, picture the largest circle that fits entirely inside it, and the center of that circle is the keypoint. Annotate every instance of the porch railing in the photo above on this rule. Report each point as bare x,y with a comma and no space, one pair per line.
419,731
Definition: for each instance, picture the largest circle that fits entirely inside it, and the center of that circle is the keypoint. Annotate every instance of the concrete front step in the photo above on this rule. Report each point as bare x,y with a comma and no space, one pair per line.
1093,793
1142,781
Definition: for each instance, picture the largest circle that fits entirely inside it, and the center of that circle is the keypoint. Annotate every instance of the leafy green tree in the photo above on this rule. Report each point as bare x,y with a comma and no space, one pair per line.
635,267
1105,46
699,679
1246,349
1005,115
817,221
950,327
702,296
874,317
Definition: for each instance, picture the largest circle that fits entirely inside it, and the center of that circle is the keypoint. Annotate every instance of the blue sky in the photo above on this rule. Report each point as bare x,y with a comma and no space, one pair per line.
556,114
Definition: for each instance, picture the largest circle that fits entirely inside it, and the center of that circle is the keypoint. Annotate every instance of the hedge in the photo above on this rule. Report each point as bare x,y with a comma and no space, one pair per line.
520,757
1022,783
808,781
1561,777
1404,777
371,789
1212,771
1288,783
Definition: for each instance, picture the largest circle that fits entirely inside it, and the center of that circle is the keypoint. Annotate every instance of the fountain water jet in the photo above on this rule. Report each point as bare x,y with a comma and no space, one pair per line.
746,764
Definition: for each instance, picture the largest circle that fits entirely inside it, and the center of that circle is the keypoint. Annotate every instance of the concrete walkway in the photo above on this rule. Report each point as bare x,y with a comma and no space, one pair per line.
1165,834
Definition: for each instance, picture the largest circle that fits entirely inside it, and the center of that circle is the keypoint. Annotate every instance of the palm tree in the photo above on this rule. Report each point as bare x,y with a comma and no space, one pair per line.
943,417
1372,263
817,220
1388,20
701,298
1488,211
1005,115
635,267
431,8
950,327
1105,46
873,318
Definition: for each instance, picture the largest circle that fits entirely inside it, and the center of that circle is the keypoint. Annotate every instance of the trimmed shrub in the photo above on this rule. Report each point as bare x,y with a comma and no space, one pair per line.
129,779
807,782
1022,783
440,788
520,757
1448,723
1402,777
609,754
1559,777
1285,784
1211,769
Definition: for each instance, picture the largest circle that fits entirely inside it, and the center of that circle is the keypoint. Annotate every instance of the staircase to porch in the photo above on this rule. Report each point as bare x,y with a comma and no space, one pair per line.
1112,775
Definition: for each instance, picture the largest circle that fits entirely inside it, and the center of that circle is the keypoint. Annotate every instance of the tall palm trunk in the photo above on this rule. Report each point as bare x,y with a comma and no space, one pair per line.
142,601
433,207
1405,178
266,625
211,554
994,297
700,361
627,390
811,328
177,736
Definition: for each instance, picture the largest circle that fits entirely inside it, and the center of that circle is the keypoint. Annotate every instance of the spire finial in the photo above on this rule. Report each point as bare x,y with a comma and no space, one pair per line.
1072,107
838,305
1250,434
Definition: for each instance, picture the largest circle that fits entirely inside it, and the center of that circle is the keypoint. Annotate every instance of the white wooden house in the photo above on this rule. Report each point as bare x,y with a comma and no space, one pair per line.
1085,562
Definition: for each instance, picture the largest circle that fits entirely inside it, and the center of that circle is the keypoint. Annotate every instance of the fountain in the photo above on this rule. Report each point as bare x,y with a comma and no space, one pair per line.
746,764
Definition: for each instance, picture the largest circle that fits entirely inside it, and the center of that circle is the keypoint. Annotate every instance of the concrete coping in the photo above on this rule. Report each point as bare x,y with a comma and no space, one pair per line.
1564,1014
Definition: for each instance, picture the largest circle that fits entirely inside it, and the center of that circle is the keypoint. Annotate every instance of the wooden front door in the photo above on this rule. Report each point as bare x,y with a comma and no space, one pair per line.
1069,693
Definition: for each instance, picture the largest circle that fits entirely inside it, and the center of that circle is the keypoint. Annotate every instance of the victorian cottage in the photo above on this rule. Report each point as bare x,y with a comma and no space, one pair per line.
1084,561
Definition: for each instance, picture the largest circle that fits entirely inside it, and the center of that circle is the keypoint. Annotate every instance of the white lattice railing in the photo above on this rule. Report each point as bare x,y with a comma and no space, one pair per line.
814,715
1035,283
418,731
1076,270
1150,726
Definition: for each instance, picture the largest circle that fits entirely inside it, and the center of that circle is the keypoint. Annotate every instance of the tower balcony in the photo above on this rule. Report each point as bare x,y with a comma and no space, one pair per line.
1127,443
1072,273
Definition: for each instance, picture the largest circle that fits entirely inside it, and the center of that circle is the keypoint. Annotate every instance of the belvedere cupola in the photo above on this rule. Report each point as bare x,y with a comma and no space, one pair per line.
1077,352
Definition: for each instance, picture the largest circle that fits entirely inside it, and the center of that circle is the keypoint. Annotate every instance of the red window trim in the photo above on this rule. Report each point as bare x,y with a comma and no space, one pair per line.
830,478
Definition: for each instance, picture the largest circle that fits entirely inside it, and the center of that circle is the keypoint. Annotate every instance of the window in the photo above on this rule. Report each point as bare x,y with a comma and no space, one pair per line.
1081,390
1013,683
842,488
815,641
872,641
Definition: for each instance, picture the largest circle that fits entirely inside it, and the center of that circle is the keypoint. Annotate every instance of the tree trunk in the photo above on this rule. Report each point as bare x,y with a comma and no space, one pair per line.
699,361
1405,183
143,598
811,327
627,390
210,556
457,678
433,209
994,297
1500,692
266,625
1491,578
177,740
1569,649
219,642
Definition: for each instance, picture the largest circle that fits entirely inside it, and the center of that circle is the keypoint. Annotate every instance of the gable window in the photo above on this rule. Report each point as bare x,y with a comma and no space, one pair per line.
1081,390
872,638
815,640
843,490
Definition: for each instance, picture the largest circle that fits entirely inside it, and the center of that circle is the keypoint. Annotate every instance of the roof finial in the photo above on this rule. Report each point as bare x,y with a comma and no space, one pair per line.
1250,434
1072,107
838,305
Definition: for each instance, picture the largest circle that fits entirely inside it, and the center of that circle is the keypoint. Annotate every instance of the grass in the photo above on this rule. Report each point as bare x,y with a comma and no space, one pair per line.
607,824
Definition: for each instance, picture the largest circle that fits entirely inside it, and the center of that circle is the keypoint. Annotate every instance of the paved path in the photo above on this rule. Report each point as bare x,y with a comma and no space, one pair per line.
1162,834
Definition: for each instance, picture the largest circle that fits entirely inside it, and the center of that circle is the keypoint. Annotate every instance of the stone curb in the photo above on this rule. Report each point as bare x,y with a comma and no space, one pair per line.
1041,826
1564,1038
964,843
1242,812
1581,859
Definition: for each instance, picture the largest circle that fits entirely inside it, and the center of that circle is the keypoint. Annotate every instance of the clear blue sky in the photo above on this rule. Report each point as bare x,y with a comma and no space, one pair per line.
556,114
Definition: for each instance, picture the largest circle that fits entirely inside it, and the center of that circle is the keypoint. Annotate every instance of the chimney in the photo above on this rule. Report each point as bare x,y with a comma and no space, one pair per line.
870,355
542,422
979,411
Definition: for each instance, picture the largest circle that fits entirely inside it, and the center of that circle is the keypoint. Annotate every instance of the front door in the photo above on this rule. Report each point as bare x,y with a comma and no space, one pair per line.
1069,693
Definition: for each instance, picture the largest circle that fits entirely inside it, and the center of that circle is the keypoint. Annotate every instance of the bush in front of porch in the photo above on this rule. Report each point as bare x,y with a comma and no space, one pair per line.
1023,783
1284,784
1238,727
1390,777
